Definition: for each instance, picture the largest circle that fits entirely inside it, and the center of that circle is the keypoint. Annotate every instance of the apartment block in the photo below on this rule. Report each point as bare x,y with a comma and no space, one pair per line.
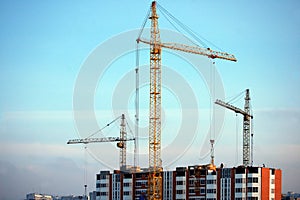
201,182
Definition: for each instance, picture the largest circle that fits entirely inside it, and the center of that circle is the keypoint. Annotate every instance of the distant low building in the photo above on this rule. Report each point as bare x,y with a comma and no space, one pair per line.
71,197
291,196
35,196
93,195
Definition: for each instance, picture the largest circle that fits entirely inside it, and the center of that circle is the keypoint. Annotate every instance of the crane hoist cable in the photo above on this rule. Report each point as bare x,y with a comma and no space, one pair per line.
236,139
252,141
85,170
135,144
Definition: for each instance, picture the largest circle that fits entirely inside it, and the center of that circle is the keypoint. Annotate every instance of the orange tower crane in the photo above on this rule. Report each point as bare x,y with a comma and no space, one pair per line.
155,162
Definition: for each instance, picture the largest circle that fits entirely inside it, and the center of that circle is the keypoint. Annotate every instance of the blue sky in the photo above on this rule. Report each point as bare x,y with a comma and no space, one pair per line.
44,45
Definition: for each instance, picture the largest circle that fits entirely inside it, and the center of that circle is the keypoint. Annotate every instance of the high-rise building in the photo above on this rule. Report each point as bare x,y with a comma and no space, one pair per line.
201,182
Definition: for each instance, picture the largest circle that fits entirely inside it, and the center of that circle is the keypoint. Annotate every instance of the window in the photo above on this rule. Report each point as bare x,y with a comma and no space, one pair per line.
138,192
138,184
211,191
126,193
252,189
202,181
211,181
226,173
103,176
252,179
180,192
202,190
240,190
225,182
240,180
103,193
252,198
191,191
102,185
180,182
117,177
127,184
191,182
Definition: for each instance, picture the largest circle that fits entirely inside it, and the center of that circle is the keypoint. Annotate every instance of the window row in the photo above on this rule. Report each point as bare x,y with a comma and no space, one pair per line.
214,191
127,184
252,189
102,185
142,183
252,179
252,198
180,191
180,182
240,180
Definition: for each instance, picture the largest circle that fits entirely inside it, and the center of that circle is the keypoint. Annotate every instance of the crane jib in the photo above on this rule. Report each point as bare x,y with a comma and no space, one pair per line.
193,49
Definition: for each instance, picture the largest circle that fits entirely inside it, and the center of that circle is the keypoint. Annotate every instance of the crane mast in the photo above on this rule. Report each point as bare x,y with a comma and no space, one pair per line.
246,131
155,165
122,144
246,125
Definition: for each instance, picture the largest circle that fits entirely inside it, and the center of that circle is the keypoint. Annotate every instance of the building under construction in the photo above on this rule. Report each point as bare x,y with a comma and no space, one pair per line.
245,182
202,182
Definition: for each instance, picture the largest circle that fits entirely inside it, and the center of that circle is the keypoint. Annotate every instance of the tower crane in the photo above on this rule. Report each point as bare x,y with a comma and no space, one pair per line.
121,141
246,126
155,162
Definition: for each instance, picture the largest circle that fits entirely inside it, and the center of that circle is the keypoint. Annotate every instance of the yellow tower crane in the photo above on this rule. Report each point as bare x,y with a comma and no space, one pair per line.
121,141
247,158
155,162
